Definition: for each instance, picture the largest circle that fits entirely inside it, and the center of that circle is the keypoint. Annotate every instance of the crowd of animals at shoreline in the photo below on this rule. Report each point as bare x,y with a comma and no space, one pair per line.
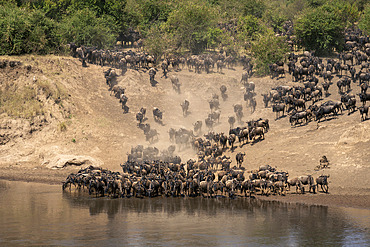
158,178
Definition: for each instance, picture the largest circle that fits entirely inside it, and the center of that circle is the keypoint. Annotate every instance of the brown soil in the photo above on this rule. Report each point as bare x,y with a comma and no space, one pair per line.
98,128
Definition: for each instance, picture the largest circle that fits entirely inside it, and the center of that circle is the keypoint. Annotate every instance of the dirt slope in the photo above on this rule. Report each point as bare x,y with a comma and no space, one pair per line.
96,126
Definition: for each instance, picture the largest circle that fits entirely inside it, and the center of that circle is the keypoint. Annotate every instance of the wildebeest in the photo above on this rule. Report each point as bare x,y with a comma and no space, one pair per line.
364,112
296,117
256,131
223,92
185,107
118,90
231,140
266,99
244,77
220,65
152,72
297,183
322,180
324,111
278,108
215,116
307,180
198,126
239,158
157,114
175,83
364,97
209,122
231,121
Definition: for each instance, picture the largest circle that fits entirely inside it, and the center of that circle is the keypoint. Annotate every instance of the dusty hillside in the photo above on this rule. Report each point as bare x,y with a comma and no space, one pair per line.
90,122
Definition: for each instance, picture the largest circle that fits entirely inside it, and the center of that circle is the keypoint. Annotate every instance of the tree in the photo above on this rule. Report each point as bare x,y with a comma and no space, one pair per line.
24,31
364,22
189,25
268,49
321,29
84,28
254,7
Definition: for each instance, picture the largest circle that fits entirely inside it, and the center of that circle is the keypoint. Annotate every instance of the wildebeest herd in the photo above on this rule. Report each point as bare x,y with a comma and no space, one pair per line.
301,100
162,178
149,173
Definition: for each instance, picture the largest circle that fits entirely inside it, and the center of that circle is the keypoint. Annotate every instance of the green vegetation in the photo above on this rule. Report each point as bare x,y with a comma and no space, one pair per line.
268,49
364,23
177,26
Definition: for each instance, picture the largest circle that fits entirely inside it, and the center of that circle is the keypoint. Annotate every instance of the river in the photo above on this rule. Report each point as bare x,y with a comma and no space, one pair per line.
35,214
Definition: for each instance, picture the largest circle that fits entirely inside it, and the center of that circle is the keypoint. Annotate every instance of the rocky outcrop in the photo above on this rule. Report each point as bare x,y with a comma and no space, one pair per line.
61,161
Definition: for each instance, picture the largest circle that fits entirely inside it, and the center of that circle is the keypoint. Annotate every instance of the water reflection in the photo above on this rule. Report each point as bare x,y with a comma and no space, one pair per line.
34,214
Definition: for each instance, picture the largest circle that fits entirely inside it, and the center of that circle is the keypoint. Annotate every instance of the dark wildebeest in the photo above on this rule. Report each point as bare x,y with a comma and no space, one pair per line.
364,97
157,114
256,131
297,116
220,65
198,126
231,140
231,121
323,182
175,83
223,92
326,86
364,87
364,112
308,180
278,108
185,107
215,116
239,158
209,123
152,72
244,77
266,99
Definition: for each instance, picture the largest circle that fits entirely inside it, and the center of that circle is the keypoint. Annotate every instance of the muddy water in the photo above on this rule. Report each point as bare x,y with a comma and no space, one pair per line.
37,214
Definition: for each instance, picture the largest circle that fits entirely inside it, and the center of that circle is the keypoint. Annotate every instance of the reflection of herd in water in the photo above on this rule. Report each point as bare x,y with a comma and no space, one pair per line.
191,206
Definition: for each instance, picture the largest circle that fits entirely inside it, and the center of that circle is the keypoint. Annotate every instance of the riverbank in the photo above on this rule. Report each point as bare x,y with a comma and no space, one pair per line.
338,197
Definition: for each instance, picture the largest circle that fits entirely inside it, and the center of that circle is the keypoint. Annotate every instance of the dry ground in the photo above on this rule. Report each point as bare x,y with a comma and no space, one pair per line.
96,126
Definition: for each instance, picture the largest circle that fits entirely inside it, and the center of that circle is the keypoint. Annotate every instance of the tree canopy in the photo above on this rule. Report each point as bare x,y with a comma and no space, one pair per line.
177,26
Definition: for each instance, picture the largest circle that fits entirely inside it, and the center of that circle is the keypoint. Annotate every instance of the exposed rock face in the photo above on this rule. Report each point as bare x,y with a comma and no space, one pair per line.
61,161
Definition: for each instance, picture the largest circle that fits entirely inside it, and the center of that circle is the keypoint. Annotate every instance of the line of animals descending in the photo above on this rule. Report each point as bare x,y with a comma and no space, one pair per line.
306,71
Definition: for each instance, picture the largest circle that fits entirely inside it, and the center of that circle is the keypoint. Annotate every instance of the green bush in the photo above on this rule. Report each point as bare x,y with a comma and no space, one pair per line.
364,22
254,7
157,42
189,25
321,30
268,49
23,31
84,28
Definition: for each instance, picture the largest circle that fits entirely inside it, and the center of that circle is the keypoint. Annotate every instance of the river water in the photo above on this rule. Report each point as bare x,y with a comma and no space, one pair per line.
42,215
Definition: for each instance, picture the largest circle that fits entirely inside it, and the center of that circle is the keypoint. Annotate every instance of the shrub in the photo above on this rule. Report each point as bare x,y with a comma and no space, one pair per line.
268,49
189,25
84,28
322,29
364,22
24,31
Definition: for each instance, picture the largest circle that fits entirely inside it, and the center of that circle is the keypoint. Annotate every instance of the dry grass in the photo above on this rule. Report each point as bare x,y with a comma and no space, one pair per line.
20,102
